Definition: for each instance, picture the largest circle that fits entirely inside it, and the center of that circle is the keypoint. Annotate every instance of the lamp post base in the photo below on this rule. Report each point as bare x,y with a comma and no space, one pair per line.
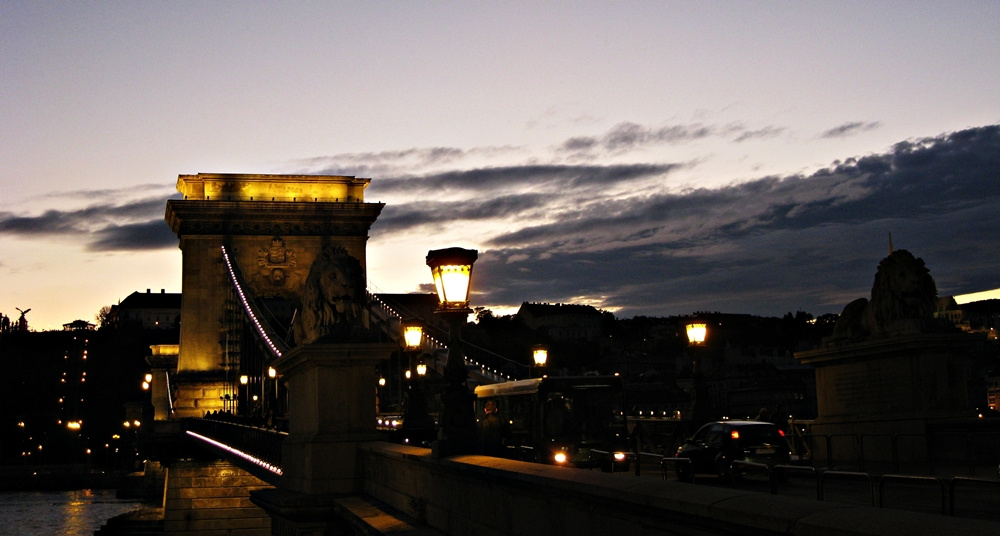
457,423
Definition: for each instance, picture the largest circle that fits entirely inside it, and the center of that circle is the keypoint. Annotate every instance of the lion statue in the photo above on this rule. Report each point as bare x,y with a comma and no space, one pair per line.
902,301
332,300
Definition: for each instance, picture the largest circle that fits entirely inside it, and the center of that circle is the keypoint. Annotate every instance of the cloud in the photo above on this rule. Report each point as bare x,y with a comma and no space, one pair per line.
769,244
628,136
100,226
552,179
626,237
390,163
153,234
850,129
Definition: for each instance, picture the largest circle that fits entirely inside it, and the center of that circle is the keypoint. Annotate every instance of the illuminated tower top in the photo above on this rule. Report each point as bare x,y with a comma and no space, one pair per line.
246,187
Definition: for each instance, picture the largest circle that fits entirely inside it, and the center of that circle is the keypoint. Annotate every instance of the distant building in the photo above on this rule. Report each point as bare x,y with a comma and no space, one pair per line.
562,321
946,308
79,325
148,310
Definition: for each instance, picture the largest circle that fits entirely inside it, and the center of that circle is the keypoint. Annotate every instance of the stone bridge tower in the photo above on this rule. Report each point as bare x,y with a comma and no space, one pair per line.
273,227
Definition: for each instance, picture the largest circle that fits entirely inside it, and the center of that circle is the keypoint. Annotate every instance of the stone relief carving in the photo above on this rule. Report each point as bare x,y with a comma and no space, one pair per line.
332,299
275,261
902,302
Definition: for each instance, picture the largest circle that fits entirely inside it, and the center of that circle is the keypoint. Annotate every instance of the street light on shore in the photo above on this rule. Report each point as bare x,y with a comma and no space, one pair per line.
452,272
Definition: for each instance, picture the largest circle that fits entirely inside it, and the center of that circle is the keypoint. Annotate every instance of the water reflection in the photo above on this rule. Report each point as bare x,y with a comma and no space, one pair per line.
59,513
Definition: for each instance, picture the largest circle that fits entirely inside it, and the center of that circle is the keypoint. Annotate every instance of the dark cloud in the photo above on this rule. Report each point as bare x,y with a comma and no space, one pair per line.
153,234
404,216
850,129
770,245
549,178
100,226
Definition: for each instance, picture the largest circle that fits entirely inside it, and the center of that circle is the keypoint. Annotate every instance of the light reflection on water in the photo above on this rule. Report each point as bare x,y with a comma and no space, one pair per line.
59,513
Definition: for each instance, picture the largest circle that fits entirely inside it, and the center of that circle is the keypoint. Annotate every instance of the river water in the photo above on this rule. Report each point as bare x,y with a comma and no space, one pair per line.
59,513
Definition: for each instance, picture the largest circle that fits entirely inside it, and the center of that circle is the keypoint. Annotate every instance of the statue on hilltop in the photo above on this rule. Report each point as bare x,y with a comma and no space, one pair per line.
902,303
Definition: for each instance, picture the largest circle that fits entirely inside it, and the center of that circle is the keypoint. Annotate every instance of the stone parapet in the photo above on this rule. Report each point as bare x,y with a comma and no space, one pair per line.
483,496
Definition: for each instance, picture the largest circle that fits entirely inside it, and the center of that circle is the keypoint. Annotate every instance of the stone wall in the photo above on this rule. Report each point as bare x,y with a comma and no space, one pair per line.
211,498
477,495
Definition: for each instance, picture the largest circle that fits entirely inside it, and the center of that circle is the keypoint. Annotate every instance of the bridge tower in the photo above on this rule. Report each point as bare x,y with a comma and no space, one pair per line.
272,227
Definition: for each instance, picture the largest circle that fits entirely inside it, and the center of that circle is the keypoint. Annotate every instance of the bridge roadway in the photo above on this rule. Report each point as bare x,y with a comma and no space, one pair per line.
482,495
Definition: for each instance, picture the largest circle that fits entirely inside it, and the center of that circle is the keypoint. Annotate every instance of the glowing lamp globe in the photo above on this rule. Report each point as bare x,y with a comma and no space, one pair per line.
452,271
412,334
540,354
696,333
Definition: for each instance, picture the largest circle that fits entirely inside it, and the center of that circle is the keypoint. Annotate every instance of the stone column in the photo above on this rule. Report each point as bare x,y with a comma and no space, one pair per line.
331,410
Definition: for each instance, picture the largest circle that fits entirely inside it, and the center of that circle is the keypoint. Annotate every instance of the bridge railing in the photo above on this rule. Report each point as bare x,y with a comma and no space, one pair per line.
256,445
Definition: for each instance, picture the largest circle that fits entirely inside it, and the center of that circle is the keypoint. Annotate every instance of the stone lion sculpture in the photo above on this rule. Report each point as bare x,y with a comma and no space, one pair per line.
902,301
332,300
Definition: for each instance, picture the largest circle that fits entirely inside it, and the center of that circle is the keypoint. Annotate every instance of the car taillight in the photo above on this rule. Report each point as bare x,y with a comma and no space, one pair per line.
781,433
735,434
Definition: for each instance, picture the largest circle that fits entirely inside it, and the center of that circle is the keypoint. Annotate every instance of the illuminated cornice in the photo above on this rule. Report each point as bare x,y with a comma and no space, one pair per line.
283,188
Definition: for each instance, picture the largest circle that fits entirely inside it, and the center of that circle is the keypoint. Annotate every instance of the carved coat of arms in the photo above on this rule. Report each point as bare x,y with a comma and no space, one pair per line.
275,261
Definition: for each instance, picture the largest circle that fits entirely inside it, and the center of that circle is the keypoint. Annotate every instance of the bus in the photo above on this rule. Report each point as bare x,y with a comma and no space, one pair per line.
576,421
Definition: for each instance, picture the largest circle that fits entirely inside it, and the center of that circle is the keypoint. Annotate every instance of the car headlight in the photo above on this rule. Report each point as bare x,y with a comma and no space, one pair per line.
560,457
619,456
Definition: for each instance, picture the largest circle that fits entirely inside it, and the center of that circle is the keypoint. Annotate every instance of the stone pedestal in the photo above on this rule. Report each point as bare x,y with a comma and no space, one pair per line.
331,410
891,385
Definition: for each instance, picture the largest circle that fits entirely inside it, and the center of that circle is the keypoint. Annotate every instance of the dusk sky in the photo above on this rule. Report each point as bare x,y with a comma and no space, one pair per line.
652,158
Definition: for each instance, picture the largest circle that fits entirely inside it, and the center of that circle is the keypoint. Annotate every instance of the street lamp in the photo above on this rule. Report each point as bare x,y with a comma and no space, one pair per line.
416,421
244,380
272,374
413,334
540,354
696,333
452,272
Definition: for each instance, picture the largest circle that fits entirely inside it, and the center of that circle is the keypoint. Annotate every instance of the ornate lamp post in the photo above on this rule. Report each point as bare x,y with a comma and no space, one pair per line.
452,271
697,333
417,423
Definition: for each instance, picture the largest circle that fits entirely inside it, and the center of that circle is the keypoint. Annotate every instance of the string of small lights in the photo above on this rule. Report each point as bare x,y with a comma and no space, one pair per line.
248,457
246,306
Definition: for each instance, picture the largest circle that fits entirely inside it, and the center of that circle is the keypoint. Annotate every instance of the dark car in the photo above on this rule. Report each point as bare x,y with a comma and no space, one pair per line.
714,447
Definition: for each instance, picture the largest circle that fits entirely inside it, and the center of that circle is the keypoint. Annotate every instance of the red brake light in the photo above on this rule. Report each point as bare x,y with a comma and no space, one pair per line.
735,434
781,432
